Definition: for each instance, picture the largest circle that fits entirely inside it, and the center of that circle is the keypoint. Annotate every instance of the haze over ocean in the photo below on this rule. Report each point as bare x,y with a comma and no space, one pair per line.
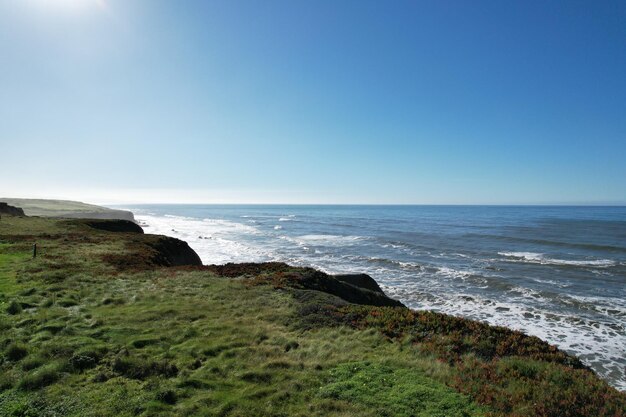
555,272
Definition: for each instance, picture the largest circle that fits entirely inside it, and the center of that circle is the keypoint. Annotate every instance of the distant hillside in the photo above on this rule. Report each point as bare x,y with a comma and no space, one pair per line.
66,209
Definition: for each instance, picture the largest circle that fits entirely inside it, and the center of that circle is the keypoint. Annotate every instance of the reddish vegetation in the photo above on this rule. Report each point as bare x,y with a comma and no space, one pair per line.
461,335
515,374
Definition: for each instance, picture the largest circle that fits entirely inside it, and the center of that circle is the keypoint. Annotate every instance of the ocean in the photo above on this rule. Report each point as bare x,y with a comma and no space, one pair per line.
555,272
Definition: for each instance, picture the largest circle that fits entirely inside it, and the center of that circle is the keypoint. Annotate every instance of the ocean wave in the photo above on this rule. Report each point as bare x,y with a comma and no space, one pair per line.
454,273
539,258
594,340
551,282
548,242
394,263
452,276
216,241
329,239
526,292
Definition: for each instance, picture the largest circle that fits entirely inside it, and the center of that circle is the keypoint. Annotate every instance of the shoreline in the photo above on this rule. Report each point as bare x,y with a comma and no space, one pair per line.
493,319
149,316
494,314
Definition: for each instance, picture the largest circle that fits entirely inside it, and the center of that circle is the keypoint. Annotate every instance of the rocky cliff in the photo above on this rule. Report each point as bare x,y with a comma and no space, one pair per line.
10,210
353,288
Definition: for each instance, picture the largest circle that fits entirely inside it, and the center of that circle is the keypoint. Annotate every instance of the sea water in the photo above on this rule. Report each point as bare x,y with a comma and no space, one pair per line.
558,273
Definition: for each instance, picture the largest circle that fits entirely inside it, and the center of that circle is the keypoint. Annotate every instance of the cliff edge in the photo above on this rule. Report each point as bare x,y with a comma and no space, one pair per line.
10,210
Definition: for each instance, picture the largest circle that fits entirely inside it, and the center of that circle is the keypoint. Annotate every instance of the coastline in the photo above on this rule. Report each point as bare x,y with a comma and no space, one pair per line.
313,317
534,300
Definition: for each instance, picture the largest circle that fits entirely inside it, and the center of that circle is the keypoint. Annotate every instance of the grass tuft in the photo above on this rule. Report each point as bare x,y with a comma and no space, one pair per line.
14,308
15,352
41,377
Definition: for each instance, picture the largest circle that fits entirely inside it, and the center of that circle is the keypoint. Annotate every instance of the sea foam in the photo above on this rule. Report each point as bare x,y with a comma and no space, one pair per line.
450,275
540,258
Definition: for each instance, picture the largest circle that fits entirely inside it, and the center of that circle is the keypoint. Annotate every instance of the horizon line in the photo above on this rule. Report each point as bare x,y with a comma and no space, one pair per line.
572,204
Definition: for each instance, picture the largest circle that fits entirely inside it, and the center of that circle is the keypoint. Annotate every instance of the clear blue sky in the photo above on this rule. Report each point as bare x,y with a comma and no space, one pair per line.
314,101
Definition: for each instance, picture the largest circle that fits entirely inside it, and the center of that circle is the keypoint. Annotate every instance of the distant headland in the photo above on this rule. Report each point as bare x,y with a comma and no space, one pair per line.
66,209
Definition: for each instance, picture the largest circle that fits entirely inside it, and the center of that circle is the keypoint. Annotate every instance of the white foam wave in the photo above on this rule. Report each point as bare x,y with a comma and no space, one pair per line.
551,282
331,240
453,273
539,258
384,261
599,343
216,241
597,336
526,292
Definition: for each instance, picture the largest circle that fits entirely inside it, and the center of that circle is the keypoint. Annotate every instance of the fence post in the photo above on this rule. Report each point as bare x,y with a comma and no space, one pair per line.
34,250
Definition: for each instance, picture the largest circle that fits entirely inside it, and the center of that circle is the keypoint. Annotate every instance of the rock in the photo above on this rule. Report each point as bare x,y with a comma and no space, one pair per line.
174,252
10,210
320,281
359,280
367,293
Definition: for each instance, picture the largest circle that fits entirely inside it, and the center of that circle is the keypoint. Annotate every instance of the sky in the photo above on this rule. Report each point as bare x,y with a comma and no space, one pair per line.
320,101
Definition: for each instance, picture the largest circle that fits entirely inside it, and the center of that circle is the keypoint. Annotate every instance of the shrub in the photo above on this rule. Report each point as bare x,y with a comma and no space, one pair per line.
141,343
100,377
81,362
291,345
15,352
28,292
527,388
54,277
32,363
41,377
67,303
6,382
14,308
138,368
257,377
167,396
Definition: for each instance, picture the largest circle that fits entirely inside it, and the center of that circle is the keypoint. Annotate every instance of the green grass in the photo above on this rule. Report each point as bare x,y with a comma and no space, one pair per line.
96,339
394,390
55,208
10,259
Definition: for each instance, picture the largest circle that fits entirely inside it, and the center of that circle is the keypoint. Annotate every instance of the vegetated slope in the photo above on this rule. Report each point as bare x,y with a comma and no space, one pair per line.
99,324
66,209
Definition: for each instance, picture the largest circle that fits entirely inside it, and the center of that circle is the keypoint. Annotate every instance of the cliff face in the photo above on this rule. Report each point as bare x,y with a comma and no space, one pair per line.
360,280
10,210
143,251
110,214
174,252
353,288
120,226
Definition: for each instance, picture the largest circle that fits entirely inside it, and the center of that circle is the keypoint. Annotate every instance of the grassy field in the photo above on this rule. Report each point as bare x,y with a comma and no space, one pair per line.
65,208
86,333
